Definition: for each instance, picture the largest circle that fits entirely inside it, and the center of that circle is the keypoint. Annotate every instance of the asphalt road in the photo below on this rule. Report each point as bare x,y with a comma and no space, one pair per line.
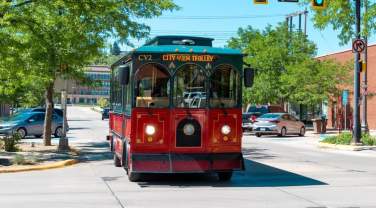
281,172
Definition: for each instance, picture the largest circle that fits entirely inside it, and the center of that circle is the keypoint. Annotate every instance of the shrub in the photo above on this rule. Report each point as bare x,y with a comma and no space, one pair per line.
369,140
343,138
18,160
10,142
21,160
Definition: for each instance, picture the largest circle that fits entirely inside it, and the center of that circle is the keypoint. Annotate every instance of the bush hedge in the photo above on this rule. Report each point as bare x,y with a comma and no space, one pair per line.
345,139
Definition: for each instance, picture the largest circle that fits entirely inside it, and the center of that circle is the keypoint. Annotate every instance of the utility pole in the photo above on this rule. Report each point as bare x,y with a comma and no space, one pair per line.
356,117
365,71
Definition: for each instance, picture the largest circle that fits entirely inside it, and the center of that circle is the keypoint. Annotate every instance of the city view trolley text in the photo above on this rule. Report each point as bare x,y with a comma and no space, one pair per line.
176,108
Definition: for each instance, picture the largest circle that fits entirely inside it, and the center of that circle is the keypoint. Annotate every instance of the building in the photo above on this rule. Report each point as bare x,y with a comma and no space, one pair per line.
4,110
81,94
336,110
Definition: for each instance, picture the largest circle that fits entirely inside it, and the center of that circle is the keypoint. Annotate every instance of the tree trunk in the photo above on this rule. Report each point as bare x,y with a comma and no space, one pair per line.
48,116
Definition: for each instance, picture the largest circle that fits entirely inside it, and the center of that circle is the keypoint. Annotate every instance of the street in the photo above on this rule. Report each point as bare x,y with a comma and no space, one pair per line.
280,172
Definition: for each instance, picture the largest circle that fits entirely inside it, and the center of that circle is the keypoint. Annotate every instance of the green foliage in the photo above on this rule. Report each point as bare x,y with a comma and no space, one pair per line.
10,142
340,15
343,138
57,39
346,138
368,140
286,69
103,102
22,160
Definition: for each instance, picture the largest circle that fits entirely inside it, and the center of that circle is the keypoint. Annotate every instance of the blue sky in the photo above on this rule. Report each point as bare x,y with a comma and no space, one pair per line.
172,23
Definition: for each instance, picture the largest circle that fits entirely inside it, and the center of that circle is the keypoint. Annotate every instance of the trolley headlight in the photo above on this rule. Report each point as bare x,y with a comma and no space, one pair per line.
225,129
188,129
150,130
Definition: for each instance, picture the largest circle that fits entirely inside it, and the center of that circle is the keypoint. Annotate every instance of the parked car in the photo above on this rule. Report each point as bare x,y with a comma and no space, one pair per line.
31,124
248,119
280,124
105,113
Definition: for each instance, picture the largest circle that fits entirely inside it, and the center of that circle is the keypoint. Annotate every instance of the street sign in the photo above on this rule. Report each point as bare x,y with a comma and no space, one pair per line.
358,46
260,1
345,97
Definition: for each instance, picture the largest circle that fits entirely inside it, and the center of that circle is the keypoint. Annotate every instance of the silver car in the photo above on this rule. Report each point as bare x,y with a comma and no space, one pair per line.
280,124
30,124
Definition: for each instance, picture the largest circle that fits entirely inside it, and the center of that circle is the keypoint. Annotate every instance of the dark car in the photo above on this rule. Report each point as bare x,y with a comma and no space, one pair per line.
105,113
248,119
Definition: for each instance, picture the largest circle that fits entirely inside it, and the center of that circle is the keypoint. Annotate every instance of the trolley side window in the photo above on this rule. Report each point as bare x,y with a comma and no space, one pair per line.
224,91
152,86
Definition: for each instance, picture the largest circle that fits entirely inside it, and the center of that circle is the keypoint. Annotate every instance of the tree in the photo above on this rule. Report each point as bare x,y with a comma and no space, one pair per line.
103,102
61,37
340,15
115,49
286,68
270,52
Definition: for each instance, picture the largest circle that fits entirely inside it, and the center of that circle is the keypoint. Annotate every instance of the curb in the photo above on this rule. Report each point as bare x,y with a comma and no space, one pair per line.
345,147
54,165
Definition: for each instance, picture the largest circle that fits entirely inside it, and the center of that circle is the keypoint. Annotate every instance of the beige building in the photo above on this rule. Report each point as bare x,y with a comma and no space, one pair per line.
80,94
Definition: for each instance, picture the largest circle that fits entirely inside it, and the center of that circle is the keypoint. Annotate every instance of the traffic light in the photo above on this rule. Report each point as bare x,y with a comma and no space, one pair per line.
260,1
319,4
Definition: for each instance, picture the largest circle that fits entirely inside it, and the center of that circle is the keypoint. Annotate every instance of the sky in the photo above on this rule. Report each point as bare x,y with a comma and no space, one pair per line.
215,19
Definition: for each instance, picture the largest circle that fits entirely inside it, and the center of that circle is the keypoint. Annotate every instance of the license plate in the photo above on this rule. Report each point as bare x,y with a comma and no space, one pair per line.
262,129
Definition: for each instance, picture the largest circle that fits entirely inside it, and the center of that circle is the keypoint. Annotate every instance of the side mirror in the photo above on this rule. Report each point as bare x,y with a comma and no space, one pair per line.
249,75
124,75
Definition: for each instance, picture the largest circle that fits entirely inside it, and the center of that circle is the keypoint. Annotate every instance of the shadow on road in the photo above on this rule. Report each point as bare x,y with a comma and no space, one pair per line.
256,175
95,151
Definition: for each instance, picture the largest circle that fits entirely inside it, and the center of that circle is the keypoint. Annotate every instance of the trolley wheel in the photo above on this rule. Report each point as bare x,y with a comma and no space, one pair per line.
134,177
224,176
117,161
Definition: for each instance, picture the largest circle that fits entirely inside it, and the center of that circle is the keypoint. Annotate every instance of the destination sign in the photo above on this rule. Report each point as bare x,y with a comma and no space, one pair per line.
187,57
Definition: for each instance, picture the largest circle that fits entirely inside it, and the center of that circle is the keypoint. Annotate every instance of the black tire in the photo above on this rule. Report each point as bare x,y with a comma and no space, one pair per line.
117,161
125,157
102,118
224,176
258,134
283,132
58,132
134,177
302,132
38,136
22,132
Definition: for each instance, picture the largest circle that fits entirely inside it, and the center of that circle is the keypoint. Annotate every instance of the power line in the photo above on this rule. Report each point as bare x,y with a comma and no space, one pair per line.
220,17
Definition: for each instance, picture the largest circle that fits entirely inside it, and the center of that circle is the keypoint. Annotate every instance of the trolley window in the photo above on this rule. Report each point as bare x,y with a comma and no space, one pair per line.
189,87
152,86
224,90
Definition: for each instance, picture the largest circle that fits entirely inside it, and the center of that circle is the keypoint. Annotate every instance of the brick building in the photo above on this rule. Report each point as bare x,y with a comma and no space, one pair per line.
335,110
